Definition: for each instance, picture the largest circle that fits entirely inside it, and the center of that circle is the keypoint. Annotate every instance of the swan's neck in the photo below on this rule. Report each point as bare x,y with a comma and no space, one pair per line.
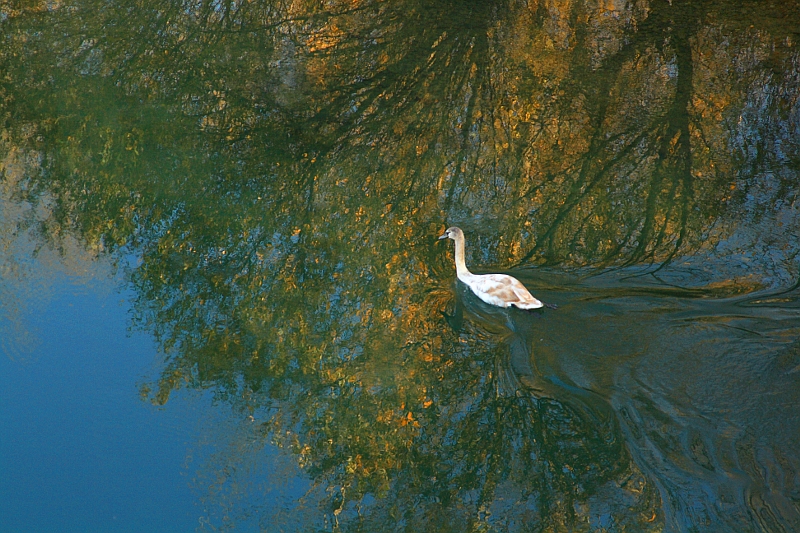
461,267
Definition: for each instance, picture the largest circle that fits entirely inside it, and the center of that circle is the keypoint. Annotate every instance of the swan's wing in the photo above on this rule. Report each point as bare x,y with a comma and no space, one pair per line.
505,291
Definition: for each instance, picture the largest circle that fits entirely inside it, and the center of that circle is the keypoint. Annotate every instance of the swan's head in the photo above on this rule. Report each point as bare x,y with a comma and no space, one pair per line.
452,233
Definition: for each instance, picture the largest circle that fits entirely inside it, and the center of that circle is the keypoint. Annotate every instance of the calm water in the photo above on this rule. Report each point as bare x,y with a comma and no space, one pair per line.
223,305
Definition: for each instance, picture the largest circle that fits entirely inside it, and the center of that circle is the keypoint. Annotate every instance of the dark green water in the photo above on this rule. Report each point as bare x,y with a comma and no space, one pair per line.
264,183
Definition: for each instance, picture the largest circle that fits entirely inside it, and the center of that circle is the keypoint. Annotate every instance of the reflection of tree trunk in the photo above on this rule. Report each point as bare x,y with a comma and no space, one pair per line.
590,172
669,27
674,155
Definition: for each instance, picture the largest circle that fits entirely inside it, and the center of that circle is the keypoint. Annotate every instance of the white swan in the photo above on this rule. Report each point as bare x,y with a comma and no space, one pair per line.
495,289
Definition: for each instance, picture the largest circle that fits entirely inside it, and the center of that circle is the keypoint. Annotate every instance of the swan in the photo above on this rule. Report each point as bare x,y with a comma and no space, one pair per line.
496,289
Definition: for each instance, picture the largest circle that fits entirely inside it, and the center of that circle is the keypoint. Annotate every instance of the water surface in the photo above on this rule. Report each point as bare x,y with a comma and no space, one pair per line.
255,189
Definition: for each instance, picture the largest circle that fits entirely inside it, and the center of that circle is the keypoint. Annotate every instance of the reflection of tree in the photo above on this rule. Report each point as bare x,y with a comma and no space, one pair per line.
278,172
638,126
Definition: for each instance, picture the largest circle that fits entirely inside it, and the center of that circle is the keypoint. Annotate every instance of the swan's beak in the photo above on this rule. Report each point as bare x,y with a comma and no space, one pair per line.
443,237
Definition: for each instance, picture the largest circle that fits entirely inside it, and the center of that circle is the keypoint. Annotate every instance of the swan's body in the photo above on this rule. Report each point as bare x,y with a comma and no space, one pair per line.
495,289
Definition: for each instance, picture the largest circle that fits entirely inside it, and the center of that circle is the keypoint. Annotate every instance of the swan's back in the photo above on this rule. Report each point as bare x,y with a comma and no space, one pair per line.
502,290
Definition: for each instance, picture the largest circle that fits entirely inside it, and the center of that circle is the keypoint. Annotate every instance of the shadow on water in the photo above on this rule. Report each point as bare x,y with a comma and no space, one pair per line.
271,177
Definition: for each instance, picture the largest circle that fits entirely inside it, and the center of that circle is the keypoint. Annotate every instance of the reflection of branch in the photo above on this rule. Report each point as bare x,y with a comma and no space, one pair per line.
608,74
579,191
677,129
673,146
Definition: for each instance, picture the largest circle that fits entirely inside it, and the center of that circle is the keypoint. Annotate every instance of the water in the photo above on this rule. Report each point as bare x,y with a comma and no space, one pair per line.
224,305
80,450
